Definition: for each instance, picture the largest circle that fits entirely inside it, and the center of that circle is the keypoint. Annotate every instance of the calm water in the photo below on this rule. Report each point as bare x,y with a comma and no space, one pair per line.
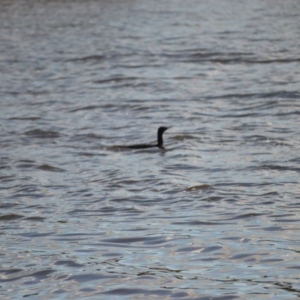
214,216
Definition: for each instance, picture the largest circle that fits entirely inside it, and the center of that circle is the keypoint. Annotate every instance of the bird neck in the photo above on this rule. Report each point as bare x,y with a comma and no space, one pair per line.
160,140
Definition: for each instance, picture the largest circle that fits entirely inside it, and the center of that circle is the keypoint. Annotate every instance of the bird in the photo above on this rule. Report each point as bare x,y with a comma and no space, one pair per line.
160,143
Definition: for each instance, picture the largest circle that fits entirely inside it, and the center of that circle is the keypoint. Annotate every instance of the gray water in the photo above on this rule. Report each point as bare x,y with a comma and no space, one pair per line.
216,215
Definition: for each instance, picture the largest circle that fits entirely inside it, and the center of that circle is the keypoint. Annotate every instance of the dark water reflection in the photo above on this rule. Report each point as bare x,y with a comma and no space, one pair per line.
215,215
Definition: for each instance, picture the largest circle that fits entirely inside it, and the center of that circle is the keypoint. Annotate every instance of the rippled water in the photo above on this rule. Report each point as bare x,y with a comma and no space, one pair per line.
215,215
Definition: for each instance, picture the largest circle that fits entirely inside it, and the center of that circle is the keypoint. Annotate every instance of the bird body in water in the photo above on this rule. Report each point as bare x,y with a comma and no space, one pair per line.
160,143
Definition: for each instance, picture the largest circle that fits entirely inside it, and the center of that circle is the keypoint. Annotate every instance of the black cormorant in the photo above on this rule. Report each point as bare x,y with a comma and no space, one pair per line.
160,143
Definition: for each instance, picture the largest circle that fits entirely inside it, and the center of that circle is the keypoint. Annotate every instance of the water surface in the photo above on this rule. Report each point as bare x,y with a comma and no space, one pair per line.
215,215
